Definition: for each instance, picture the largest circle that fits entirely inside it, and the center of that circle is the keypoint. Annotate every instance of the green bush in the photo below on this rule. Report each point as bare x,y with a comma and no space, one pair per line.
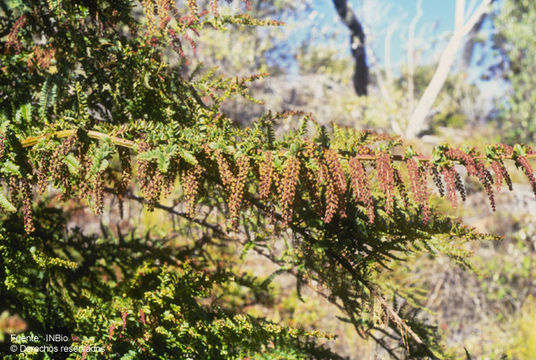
98,104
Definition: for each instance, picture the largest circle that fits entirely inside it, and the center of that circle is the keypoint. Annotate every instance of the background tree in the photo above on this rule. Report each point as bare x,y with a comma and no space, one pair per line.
357,44
514,39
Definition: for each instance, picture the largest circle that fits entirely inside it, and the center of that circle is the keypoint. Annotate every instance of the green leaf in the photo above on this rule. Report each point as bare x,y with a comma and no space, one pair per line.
163,161
5,204
410,152
26,111
519,150
150,155
11,168
247,247
188,157
72,163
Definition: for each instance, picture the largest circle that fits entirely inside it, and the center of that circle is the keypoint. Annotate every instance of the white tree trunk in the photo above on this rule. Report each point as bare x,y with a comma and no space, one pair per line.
419,115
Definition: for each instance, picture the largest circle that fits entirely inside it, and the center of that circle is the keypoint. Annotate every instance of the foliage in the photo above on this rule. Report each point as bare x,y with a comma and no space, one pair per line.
130,296
97,109
515,41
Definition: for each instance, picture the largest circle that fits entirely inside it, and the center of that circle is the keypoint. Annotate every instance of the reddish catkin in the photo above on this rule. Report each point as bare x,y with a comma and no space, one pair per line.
237,190
226,175
150,16
111,331
192,6
314,177
142,316
524,163
314,190
386,179
335,169
266,170
191,42
498,171
326,184
507,178
191,188
124,318
169,177
2,146
214,7
26,193
419,186
126,169
85,166
332,202
14,187
98,192
40,57
423,173
42,172
507,150
163,7
414,180
151,181
12,40
338,178
360,186
154,187
58,169
450,182
464,158
287,188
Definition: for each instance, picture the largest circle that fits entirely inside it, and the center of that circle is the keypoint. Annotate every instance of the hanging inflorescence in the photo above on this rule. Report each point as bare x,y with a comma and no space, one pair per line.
361,187
287,188
189,139
321,176
386,179
190,186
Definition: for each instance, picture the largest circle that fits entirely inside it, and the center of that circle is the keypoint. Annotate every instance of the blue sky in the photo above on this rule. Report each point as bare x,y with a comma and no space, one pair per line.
433,31
437,20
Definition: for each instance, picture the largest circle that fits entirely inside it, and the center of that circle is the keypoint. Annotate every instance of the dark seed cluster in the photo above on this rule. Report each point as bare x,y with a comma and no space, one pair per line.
436,176
485,178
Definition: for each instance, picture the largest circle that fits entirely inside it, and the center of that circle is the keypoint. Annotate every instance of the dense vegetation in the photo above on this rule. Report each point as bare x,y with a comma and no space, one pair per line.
99,109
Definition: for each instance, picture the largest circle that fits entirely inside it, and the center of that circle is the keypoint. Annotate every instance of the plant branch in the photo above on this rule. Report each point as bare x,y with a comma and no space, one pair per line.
33,140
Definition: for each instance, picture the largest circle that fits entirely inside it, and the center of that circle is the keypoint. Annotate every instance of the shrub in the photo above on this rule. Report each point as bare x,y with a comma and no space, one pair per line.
96,105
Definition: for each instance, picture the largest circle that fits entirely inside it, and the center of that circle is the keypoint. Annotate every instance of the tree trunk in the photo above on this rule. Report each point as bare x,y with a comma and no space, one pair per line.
357,41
